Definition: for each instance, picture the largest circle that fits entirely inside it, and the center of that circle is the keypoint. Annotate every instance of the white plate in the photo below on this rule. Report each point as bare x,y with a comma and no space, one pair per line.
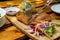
2,22
12,10
56,8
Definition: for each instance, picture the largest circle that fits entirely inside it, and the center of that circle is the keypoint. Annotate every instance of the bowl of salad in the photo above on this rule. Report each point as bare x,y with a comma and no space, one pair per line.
2,19
2,13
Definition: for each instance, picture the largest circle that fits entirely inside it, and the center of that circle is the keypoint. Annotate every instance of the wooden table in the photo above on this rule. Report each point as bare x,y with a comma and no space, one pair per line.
21,26
10,32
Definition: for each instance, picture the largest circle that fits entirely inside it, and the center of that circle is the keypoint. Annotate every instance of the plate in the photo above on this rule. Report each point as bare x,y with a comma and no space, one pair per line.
56,8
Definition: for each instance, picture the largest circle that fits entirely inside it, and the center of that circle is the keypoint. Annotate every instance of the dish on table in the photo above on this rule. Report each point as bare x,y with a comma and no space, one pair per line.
2,13
43,28
2,19
12,10
2,22
56,8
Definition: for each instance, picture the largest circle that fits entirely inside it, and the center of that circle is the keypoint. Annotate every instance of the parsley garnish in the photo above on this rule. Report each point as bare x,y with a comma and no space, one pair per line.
0,15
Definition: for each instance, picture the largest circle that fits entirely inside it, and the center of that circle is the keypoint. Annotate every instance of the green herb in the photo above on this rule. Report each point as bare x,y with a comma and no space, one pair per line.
50,30
0,15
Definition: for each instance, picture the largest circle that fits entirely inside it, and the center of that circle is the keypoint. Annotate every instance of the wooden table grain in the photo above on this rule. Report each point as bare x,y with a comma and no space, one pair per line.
10,32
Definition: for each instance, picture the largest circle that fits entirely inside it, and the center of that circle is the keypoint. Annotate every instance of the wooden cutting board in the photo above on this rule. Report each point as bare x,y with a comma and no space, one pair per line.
22,27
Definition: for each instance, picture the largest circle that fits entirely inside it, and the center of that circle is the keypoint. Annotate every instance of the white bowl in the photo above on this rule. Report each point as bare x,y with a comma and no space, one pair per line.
2,19
2,22
56,8
2,12
12,10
